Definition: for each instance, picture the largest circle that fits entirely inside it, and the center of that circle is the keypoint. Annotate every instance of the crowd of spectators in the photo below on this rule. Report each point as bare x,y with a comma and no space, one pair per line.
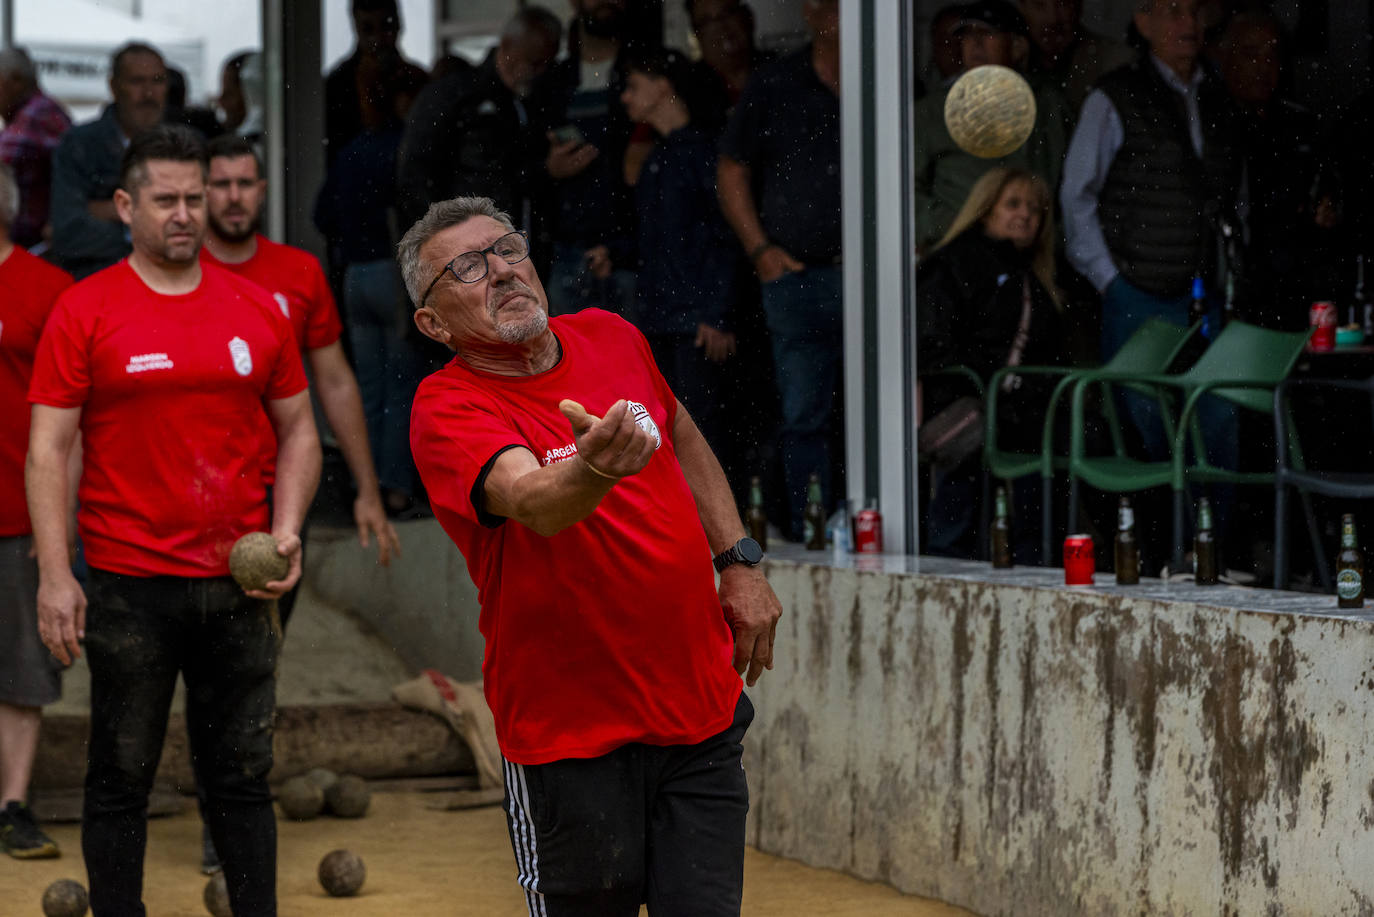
700,197
1178,165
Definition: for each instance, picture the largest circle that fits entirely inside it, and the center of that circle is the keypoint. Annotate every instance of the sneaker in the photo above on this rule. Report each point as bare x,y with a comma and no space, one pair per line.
209,857
21,837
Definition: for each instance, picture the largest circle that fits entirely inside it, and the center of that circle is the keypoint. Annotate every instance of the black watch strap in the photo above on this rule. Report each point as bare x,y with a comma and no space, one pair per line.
745,551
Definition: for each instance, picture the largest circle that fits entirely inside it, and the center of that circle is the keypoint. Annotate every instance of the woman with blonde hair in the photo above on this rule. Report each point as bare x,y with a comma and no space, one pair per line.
985,299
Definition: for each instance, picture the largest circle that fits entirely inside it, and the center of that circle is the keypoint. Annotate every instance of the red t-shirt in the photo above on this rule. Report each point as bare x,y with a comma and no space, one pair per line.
173,392
298,287
610,631
28,288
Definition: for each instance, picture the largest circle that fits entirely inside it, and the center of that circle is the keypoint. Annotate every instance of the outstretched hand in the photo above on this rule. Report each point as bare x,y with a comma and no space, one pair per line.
612,446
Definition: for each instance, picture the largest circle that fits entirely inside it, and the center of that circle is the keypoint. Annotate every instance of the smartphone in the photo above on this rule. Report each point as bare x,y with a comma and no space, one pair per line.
568,133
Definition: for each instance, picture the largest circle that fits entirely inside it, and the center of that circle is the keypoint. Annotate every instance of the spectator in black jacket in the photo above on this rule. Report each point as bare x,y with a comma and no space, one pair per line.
687,255
986,299
468,132
590,209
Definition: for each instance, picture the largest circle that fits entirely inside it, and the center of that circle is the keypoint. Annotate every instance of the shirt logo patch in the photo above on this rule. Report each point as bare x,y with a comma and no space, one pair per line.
282,304
143,362
243,360
646,423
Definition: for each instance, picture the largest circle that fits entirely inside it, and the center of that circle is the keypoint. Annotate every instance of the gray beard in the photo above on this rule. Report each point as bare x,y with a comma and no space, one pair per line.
516,332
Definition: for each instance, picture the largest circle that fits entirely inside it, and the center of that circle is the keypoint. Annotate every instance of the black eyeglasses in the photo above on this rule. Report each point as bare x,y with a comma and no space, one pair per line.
470,267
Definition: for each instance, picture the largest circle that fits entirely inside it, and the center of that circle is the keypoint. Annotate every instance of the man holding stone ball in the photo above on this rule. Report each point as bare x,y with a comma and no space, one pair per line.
173,372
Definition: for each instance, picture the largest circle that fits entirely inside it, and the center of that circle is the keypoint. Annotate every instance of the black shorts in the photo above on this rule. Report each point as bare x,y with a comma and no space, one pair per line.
29,675
644,823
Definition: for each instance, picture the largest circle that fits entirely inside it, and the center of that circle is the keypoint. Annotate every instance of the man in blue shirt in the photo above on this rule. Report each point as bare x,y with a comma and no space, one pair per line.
87,234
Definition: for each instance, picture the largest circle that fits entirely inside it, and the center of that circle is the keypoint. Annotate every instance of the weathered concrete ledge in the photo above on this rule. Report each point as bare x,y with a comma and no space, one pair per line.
1005,743
424,604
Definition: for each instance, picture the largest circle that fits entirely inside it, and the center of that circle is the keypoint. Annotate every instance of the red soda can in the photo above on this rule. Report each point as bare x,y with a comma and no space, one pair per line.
1322,317
1079,561
868,531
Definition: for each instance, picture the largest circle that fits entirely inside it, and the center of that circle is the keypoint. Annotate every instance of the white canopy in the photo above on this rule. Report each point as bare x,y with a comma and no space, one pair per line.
71,42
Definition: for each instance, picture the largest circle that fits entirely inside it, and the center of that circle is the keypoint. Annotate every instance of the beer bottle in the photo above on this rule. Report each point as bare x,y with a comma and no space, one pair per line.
755,518
1349,568
813,517
1001,533
1127,548
1204,546
1197,309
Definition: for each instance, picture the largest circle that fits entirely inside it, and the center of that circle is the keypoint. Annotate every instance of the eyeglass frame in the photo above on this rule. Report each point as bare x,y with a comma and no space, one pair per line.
486,269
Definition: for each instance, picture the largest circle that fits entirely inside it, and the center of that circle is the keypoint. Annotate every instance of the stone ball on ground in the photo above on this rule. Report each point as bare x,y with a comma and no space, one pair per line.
322,777
300,800
342,873
990,111
217,896
254,561
65,898
348,797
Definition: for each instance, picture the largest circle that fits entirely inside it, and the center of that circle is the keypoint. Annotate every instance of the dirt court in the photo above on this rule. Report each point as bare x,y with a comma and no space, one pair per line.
421,863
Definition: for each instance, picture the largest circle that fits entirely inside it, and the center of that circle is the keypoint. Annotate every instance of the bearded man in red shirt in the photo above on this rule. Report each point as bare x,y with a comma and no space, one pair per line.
612,660
173,372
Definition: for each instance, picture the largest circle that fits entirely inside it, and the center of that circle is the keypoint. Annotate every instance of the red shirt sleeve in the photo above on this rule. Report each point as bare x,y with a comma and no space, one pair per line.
455,433
323,326
61,368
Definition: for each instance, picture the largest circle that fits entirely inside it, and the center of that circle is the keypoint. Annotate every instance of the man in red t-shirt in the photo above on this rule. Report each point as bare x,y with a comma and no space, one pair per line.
612,660
235,194
29,676
173,372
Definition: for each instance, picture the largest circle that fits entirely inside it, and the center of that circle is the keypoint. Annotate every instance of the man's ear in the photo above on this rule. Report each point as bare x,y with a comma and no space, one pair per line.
431,327
124,205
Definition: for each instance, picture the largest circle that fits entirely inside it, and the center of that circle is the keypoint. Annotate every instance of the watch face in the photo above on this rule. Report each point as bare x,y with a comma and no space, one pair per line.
749,551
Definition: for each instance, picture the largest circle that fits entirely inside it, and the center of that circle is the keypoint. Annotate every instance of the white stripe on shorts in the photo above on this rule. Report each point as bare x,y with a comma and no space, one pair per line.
523,837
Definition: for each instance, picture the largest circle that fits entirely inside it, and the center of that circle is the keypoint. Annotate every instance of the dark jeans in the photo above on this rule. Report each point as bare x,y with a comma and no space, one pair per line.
141,632
389,366
696,381
806,324
662,824
572,288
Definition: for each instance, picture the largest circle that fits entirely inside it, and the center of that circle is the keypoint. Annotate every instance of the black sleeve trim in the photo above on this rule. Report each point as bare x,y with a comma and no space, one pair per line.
479,495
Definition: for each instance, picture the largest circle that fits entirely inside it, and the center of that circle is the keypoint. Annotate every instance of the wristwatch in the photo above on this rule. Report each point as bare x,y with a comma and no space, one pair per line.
745,551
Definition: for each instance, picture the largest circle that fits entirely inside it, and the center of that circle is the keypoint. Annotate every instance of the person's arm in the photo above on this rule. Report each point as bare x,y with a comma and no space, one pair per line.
748,601
734,183
548,499
298,474
53,433
337,389
78,234
1094,145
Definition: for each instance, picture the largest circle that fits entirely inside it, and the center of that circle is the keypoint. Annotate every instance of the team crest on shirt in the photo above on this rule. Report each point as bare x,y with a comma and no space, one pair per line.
282,304
243,360
646,423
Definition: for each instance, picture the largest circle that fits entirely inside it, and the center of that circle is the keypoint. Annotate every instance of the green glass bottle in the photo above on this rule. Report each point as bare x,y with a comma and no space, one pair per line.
813,518
1204,546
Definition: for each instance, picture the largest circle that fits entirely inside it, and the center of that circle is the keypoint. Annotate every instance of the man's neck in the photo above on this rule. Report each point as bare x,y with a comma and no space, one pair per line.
668,117
1184,67
231,252
6,249
18,105
825,59
529,358
170,278
596,49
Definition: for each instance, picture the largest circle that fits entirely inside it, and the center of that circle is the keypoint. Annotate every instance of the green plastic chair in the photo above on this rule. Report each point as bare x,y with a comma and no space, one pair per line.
1243,366
1151,349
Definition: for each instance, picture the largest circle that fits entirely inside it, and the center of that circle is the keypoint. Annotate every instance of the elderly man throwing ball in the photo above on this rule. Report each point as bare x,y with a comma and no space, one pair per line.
588,507
173,372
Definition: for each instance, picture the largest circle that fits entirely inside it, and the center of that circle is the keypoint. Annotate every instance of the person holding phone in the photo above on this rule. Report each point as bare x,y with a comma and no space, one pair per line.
589,212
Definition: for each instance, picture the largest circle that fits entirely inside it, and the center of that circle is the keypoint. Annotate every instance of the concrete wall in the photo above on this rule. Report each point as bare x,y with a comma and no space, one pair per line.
1017,747
424,603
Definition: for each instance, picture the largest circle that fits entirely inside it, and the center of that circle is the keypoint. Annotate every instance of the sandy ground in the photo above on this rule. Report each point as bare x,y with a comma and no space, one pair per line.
420,861
423,863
